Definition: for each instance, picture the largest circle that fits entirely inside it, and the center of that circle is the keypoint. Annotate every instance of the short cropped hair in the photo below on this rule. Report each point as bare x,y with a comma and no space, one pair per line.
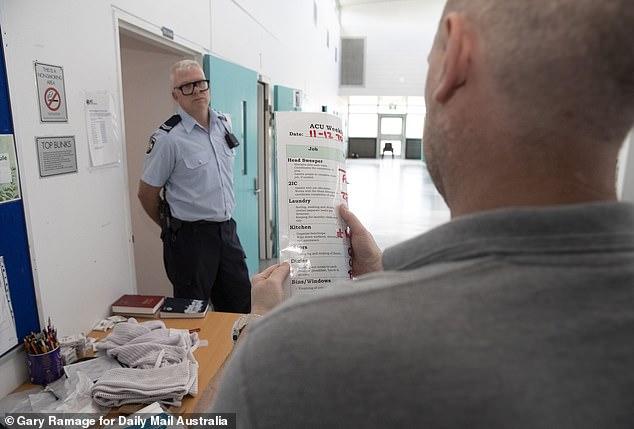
180,66
571,59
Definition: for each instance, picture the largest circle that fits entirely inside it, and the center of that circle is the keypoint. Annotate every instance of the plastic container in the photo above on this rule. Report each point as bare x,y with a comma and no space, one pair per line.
46,367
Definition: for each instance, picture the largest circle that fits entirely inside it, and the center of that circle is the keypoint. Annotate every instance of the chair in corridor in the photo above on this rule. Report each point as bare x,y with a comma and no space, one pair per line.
387,148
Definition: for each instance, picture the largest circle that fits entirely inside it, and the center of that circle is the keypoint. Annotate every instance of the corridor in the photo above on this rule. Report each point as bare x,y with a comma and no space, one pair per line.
394,198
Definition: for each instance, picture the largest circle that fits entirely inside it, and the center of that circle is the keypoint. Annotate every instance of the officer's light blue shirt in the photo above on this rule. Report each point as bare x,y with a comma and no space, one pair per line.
196,168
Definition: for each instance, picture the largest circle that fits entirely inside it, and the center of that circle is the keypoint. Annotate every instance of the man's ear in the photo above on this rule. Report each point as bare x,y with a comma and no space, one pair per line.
455,57
174,95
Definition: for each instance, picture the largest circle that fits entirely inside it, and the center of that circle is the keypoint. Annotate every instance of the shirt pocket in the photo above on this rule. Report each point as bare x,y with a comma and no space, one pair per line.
226,149
197,159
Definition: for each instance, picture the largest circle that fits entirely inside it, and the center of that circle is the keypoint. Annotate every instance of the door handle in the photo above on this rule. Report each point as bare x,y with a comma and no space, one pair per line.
256,188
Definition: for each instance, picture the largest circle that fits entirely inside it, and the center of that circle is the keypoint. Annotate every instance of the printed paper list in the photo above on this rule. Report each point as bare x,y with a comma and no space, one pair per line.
312,185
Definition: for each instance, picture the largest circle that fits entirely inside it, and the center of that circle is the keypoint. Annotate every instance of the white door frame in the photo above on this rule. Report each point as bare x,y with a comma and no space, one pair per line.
149,34
381,136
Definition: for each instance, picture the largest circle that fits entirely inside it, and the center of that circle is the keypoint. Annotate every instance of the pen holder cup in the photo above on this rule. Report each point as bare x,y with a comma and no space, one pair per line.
46,367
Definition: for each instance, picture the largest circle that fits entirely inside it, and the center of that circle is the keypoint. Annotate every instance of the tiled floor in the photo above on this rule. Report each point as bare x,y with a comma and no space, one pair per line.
394,198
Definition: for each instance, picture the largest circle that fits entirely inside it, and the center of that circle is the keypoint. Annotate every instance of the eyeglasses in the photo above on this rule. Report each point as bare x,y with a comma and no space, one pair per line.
188,88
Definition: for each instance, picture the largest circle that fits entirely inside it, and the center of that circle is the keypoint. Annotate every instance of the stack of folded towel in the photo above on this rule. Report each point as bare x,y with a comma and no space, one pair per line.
161,365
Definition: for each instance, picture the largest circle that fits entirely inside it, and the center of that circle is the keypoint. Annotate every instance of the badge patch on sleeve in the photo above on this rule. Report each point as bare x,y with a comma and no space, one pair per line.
150,145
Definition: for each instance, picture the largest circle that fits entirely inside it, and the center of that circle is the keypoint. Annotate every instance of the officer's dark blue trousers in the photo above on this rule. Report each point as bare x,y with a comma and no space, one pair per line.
205,260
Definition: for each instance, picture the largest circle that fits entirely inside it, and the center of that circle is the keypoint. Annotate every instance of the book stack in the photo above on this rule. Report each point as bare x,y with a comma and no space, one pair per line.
183,308
138,305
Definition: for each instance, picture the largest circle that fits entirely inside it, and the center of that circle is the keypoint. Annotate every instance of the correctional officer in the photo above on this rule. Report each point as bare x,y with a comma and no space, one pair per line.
191,158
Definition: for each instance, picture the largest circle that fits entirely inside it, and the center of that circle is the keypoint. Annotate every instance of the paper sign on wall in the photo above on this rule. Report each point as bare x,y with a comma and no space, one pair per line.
9,185
311,186
8,334
103,128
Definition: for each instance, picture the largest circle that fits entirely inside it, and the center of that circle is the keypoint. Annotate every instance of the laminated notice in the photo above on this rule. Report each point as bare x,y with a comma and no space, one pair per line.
311,185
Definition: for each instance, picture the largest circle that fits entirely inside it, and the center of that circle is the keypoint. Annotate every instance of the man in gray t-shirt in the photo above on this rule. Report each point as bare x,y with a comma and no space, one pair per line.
519,312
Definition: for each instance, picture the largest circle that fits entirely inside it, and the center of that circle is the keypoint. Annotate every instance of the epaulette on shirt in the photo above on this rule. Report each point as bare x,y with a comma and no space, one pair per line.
223,119
165,127
170,123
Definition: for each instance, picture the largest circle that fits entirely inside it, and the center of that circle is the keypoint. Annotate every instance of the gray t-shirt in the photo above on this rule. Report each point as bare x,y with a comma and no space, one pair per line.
514,318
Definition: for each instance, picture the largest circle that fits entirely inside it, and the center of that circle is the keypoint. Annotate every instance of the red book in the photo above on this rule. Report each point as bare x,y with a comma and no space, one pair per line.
138,304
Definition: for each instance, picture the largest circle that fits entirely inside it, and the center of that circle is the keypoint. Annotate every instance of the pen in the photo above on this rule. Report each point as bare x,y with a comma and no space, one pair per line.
42,342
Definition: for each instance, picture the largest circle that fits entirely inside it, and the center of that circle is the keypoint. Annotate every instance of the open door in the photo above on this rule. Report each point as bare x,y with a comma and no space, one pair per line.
391,139
234,91
284,99
266,173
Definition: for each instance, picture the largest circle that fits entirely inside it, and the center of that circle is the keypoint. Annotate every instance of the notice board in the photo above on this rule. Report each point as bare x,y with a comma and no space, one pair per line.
14,246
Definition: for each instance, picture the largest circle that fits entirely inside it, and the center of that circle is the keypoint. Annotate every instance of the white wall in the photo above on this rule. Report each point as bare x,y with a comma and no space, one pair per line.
79,224
282,43
399,35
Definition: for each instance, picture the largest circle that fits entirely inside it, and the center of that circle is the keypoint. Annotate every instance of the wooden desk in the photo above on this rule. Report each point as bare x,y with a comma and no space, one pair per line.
215,327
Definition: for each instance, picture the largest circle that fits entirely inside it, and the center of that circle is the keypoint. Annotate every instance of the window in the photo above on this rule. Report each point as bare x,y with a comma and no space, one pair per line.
414,126
362,125
391,126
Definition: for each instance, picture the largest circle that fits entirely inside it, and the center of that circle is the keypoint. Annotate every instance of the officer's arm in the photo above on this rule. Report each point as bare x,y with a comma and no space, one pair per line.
149,197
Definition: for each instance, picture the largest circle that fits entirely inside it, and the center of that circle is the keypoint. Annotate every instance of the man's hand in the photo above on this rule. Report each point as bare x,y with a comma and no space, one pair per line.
266,293
366,255
266,288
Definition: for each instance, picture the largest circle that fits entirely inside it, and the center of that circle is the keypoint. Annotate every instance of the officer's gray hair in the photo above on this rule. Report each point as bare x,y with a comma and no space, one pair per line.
181,66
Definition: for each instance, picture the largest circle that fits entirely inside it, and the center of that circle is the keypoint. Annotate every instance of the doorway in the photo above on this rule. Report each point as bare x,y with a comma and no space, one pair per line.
391,141
145,66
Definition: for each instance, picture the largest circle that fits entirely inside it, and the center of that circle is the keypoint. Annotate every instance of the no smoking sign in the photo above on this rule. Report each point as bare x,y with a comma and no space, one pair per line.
52,99
51,94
